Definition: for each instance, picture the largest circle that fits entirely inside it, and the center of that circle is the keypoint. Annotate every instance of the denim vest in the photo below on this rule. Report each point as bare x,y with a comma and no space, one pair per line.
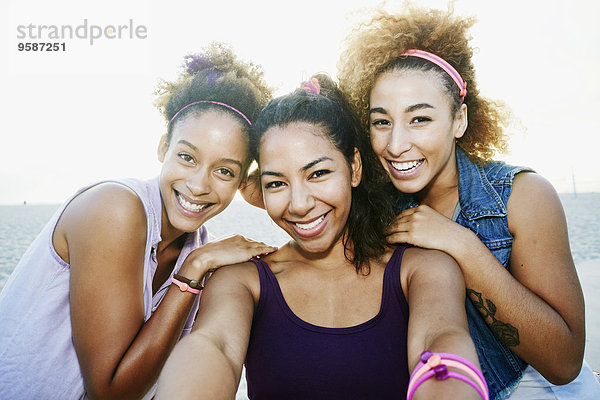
483,192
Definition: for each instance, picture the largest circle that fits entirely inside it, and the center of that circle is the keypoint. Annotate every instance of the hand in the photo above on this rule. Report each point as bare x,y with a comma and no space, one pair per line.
230,250
424,227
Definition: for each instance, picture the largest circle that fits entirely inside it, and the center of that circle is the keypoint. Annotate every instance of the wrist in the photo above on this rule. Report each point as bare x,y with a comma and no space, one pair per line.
463,244
195,267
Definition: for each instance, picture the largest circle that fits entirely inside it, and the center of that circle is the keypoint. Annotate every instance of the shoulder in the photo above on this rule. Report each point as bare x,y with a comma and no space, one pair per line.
426,258
429,263
532,197
236,277
106,208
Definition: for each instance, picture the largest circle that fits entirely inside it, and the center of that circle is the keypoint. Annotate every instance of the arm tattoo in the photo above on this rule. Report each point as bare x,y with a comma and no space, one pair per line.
505,332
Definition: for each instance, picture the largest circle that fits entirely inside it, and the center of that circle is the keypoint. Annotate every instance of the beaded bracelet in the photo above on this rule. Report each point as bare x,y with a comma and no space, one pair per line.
436,364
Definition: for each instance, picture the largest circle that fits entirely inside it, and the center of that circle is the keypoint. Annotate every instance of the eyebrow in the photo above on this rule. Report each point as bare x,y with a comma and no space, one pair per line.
185,142
414,107
220,160
303,169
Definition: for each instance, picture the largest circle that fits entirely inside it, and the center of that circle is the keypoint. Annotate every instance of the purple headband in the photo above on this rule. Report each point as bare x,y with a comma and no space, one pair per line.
212,102
443,64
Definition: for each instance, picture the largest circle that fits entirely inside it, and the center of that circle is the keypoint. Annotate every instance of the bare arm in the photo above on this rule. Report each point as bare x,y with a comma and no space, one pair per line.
120,356
536,306
438,321
208,362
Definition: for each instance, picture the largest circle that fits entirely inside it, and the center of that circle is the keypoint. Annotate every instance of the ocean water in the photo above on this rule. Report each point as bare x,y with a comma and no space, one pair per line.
20,224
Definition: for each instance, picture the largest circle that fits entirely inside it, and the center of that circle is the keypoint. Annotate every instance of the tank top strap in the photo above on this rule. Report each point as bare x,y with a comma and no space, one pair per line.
392,282
268,283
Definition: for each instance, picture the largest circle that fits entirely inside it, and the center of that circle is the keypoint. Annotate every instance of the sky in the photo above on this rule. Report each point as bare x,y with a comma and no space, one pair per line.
85,112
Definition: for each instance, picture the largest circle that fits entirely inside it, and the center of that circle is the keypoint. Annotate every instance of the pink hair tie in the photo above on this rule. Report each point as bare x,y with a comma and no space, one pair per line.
212,102
443,64
311,86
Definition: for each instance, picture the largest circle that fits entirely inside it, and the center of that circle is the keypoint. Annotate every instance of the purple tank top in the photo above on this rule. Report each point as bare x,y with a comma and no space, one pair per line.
289,358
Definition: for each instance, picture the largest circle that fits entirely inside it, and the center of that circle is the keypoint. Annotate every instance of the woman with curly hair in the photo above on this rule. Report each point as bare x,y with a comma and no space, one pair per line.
411,79
112,282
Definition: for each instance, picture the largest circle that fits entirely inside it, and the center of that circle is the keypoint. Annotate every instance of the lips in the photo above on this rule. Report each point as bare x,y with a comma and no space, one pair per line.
406,166
191,207
310,228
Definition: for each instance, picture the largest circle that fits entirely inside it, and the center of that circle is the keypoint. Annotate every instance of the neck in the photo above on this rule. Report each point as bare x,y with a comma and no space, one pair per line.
333,259
168,234
442,192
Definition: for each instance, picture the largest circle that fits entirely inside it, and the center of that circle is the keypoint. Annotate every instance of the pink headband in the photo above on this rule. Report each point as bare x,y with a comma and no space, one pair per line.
443,64
212,102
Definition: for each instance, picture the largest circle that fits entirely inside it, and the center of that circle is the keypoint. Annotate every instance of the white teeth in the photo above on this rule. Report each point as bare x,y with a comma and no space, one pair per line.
311,225
406,166
190,206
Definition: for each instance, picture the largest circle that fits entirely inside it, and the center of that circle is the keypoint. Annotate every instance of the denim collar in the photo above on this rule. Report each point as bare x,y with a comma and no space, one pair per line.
477,196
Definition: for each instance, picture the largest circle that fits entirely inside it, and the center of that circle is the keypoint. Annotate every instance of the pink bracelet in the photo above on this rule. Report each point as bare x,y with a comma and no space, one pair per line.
428,360
436,364
184,287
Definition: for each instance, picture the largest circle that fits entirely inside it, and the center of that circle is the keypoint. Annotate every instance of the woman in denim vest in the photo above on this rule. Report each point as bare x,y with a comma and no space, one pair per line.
411,79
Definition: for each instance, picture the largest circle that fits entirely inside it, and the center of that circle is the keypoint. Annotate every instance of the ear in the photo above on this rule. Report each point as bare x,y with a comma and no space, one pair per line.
356,167
461,122
162,148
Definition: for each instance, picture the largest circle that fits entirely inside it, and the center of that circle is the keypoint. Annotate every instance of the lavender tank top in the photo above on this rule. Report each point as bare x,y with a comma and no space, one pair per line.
37,357
289,358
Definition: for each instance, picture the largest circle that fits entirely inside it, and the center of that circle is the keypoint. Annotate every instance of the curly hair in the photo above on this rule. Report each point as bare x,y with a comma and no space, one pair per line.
376,46
370,212
216,74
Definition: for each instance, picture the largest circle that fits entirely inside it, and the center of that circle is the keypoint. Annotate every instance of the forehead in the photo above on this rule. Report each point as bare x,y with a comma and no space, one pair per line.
296,142
407,85
208,127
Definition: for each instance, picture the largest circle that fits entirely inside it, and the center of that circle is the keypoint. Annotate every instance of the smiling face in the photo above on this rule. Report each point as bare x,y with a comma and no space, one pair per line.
202,168
307,185
413,130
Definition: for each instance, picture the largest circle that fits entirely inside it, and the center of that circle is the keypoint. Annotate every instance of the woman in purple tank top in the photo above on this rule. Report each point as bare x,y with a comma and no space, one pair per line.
102,286
327,315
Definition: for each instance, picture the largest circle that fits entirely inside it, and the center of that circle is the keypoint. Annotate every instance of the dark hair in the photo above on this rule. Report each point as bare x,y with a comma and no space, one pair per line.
214,75
369,213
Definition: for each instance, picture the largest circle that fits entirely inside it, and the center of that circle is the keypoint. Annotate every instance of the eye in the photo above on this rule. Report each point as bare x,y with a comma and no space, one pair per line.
320,173
381,123
274,185
419,120
185,157
226,171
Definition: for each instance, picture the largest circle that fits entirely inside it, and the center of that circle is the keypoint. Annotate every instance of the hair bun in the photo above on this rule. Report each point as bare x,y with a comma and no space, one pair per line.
193,63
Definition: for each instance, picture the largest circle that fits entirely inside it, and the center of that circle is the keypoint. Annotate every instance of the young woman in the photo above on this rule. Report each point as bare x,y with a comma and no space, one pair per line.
411,79
327,315
110,285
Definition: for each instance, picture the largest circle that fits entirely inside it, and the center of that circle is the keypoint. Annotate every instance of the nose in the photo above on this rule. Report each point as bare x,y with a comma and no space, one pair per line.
301,199
399,141
199,183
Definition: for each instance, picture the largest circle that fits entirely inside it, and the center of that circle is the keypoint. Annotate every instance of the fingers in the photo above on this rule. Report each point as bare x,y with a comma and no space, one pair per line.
398,237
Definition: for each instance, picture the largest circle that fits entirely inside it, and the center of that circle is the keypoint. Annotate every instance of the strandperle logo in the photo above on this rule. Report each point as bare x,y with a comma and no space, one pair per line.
85,30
